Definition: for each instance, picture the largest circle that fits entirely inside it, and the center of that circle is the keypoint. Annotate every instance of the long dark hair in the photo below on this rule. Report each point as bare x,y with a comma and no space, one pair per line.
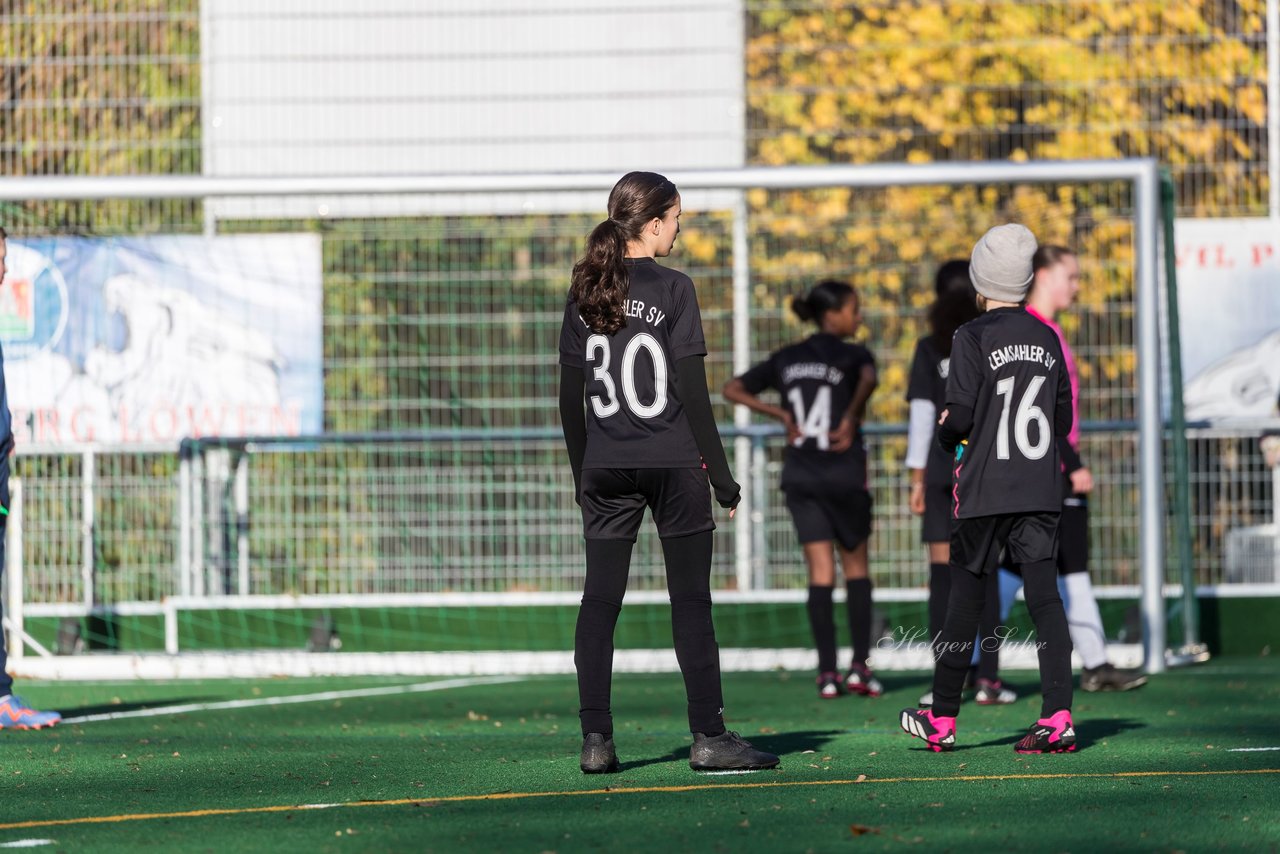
951,275
954,306
600,284
827,295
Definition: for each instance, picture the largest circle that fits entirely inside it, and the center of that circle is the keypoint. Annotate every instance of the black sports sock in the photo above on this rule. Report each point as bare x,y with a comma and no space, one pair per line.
688,561
859,607
608,562
939,591
822,622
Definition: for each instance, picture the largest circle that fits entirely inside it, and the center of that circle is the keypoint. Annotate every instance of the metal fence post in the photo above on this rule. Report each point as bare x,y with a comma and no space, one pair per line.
13,570
240,488
89,558
759,501
183,585
197,524
745,517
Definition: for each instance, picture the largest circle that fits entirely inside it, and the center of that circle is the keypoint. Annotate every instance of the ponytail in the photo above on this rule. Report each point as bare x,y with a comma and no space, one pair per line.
800,308
827,295
600,282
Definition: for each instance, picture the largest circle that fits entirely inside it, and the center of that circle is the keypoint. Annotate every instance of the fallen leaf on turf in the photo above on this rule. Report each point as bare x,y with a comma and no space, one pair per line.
862,829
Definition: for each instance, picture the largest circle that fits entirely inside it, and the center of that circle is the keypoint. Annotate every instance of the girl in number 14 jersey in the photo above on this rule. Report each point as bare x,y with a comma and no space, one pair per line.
824,382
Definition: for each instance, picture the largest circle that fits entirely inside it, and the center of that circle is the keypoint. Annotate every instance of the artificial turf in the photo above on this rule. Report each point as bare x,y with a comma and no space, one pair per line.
494,767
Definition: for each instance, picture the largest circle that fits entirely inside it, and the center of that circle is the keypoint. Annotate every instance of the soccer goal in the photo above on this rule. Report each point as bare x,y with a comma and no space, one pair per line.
308,425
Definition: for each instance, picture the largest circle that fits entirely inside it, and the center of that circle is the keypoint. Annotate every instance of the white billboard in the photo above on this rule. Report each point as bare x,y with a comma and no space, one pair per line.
1229,307
153,339
389,87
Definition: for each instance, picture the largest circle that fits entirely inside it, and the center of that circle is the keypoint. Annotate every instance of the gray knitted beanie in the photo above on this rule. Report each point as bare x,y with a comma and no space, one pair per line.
1000,266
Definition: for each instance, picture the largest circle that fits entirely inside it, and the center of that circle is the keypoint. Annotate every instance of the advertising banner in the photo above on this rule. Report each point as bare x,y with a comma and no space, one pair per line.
1229,306
152,339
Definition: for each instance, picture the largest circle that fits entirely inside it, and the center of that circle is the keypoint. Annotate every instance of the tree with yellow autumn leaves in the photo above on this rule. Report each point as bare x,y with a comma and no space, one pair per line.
837,82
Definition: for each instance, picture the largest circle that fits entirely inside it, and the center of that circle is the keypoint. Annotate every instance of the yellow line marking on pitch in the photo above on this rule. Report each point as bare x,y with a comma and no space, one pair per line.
510,796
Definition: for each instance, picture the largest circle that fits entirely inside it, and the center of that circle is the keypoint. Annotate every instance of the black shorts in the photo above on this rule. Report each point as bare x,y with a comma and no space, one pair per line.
613,502
977,543
936,522
845,519
1073,538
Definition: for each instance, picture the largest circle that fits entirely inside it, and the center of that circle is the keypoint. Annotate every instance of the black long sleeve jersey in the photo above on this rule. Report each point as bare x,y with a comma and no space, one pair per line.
635,418
1007,370
928,381
817,378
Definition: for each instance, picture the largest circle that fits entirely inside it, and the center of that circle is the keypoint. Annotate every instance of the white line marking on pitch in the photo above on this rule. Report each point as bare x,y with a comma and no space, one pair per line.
1251,749
27,843
186,708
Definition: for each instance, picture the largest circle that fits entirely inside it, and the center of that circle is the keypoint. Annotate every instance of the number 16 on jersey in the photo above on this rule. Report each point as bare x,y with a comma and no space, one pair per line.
1027,413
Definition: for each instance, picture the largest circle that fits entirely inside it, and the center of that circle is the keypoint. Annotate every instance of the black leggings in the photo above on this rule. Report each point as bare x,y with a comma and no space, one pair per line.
988,623
969,595
688,561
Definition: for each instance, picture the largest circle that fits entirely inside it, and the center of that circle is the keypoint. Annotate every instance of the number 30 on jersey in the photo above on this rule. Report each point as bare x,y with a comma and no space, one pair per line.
608,404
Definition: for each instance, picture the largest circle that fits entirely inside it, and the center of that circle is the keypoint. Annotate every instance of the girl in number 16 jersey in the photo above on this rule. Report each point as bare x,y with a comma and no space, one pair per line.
640,432
1008,401
824,382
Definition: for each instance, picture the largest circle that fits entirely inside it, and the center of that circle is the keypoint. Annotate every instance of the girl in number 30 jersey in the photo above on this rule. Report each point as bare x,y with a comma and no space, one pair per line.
638,425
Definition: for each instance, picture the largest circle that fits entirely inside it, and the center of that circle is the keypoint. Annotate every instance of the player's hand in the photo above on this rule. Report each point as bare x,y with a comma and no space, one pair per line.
728,495
916,501
841,438
1081,481
942,420
794,436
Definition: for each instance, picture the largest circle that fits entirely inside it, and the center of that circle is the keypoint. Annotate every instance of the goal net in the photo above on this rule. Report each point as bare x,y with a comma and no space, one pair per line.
309,426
